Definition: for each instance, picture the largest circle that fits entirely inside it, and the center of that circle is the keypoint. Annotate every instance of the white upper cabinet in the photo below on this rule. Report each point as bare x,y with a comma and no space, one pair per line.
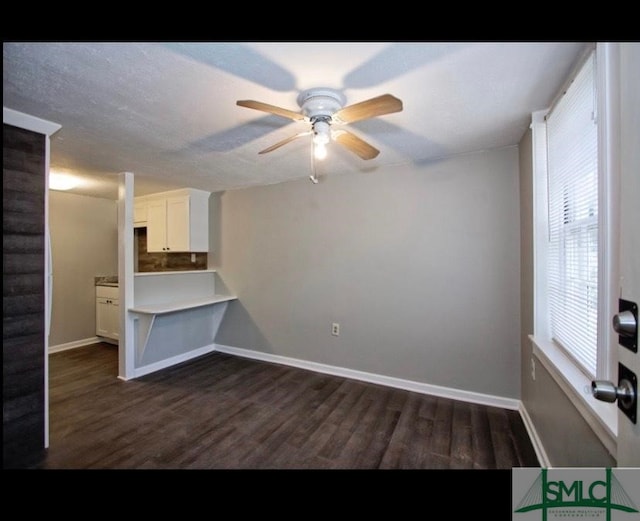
139,212
176,221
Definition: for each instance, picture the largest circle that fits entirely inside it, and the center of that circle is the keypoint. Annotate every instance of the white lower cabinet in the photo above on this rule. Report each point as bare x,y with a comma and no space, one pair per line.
107,312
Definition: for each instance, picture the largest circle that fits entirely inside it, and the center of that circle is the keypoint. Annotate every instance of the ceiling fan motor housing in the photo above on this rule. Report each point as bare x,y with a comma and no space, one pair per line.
320,103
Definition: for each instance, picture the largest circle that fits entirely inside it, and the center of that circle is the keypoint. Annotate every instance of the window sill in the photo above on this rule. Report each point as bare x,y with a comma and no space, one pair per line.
602,417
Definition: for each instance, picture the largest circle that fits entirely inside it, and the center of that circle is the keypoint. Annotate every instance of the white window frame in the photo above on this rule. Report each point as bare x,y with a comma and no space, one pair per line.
601,416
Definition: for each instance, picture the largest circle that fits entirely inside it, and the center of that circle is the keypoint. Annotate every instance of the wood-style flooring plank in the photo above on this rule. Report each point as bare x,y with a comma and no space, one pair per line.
524,449
503,447
399,452
481,441
358,451
225,412
442,422
461,435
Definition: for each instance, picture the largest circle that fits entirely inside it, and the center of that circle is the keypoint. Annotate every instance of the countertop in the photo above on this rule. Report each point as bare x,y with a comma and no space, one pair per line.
110,281
173,272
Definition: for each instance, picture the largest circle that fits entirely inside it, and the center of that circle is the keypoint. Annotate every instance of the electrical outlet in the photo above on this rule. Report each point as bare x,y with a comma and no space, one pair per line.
335,329
193,257
533,369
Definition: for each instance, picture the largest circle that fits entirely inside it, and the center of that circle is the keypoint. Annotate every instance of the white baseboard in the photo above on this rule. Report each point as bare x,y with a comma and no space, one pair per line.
543,459
389,381
75,344
168,362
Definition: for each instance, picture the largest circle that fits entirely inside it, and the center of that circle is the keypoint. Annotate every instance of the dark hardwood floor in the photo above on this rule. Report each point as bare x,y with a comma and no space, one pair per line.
226,412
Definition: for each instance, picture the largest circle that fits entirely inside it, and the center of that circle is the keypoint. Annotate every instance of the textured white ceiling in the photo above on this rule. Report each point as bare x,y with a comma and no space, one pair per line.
167,111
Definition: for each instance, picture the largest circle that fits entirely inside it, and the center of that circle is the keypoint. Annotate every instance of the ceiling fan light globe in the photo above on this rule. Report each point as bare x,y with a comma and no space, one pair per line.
320,151
321,133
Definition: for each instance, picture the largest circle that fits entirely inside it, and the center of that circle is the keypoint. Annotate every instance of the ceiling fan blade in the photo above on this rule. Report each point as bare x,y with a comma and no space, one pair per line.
385,104
284,142
355,144
265,107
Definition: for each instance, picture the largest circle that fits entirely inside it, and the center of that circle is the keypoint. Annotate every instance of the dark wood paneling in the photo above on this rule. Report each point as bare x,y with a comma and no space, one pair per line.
29,202
22,358
17,326
23,256
225,412
23,284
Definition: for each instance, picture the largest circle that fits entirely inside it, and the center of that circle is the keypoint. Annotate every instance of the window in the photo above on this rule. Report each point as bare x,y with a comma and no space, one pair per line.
575,263
572,254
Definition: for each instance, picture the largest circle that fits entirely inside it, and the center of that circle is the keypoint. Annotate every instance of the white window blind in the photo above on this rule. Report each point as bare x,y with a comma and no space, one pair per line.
572,156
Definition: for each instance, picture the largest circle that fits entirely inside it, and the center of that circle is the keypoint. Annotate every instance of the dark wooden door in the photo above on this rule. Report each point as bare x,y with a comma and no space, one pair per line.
23,297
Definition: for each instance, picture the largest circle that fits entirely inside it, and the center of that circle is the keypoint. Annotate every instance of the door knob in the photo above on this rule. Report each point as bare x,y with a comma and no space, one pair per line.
626,392
607,391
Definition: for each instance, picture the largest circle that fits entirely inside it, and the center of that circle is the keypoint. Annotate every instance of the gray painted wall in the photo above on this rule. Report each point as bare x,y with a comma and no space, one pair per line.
557,422
84,245
418,263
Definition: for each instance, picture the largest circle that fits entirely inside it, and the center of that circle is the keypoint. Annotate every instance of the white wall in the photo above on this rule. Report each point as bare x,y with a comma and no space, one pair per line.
418,263
84,244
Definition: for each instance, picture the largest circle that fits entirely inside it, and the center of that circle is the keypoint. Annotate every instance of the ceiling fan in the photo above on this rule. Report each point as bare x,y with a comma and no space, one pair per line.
324,108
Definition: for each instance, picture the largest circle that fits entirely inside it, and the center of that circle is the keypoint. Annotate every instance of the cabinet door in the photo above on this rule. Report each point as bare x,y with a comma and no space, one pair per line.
102,317
178,233
157,226
114,320
139,213
107,318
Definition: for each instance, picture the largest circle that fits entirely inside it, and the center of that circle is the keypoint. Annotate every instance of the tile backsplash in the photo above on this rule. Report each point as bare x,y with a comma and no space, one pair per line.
165,261
108,279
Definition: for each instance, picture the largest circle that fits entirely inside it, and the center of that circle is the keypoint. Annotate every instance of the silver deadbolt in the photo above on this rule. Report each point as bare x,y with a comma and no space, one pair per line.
626,392
624,323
